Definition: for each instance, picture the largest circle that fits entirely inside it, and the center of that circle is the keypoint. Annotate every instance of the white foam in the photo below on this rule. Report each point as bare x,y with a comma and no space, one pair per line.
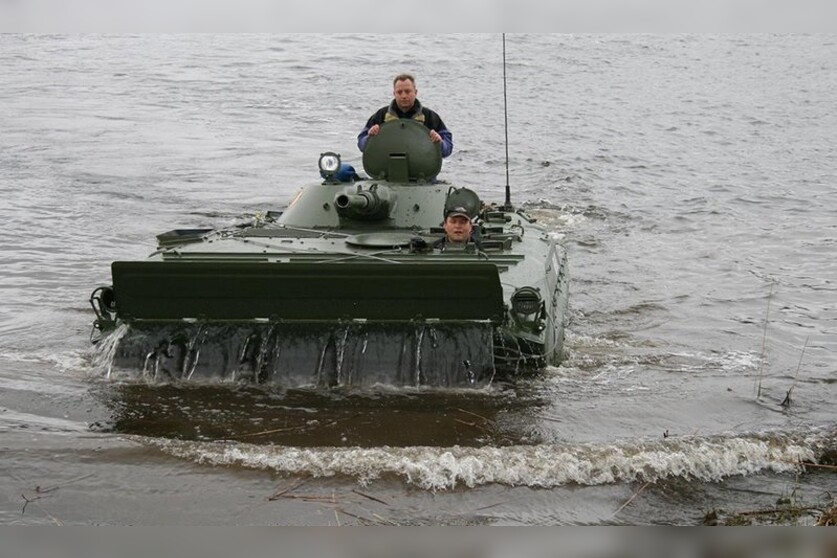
730,362
71,360
433,468
562,218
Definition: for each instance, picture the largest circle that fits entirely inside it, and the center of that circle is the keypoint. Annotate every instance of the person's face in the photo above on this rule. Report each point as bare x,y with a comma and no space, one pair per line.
405,94
458,228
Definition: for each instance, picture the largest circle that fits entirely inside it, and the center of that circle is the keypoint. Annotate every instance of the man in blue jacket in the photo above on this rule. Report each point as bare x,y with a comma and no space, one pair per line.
406,105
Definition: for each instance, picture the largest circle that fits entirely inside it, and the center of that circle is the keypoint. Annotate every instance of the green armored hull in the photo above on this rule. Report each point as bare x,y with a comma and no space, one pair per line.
345,287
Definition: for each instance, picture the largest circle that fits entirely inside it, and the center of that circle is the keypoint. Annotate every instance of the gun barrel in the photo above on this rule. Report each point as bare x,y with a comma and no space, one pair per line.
365,205
358,202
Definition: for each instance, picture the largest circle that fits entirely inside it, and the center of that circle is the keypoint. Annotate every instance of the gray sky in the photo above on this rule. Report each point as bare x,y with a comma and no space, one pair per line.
652,16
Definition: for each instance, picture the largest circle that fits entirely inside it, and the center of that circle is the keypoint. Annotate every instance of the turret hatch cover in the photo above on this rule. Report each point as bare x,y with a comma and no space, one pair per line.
399,140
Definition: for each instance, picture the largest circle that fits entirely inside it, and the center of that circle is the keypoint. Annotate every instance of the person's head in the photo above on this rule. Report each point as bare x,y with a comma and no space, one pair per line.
404,90
458,224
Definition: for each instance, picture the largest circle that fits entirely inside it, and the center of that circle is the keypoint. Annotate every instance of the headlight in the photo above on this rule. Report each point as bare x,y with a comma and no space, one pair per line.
329,164
526,301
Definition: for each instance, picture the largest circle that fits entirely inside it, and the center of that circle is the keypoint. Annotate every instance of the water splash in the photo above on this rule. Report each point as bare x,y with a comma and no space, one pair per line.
105,350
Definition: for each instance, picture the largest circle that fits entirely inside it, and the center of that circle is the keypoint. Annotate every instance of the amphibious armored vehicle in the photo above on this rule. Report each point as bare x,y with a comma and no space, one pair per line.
345,287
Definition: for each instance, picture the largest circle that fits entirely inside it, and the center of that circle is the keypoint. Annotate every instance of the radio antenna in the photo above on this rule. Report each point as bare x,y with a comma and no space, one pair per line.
508,205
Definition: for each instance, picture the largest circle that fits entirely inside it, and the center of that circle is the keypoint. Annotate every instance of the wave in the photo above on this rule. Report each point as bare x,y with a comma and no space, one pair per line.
541,466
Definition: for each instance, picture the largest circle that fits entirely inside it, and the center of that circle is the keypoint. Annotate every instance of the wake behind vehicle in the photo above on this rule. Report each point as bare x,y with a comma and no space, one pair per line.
345,287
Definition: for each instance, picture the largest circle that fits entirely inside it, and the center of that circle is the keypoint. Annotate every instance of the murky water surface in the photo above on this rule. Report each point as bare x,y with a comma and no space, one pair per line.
691,178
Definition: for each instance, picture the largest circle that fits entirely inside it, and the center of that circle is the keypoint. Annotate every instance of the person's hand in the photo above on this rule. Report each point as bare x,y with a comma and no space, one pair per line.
373,131
434,136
